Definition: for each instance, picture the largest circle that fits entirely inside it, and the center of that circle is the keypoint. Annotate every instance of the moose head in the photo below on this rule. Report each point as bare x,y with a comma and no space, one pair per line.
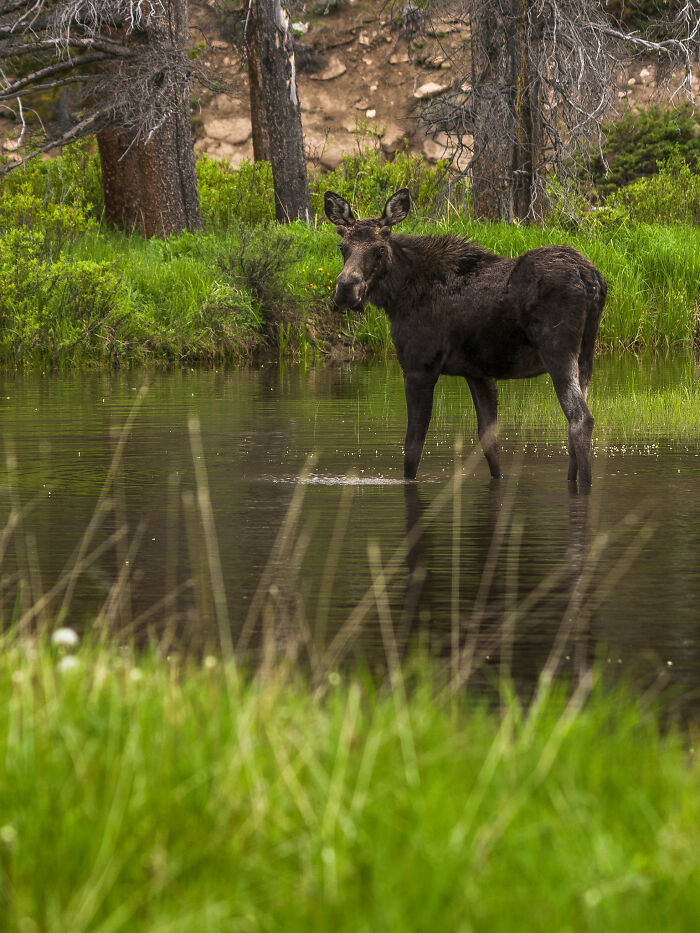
365,244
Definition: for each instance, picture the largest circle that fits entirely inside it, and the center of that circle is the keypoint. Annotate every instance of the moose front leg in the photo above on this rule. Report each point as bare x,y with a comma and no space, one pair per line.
485,395
418,387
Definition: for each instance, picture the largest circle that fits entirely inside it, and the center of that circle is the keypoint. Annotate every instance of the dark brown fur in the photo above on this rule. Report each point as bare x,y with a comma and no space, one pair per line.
457,309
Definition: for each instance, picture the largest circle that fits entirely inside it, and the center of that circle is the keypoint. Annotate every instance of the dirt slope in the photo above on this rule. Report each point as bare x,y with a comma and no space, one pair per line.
370,73
359,72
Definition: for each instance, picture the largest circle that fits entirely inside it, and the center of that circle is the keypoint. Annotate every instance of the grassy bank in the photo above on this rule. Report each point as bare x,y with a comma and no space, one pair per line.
145,793
74,292
225,294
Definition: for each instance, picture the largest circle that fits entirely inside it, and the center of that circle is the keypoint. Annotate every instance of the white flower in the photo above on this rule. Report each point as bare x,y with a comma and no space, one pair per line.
8,834
68,664
66,638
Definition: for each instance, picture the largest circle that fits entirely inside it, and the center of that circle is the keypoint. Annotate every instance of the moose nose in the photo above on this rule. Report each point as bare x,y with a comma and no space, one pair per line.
349,289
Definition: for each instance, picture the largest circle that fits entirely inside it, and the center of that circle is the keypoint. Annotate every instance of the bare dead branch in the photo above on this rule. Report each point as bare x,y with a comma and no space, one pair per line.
104,44
119,58
86,127
35,88
68,65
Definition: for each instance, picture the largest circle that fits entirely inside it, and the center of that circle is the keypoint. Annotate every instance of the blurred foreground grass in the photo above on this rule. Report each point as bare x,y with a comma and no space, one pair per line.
140,791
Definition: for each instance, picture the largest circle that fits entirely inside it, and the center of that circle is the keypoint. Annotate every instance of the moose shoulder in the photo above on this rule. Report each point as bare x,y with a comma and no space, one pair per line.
457,309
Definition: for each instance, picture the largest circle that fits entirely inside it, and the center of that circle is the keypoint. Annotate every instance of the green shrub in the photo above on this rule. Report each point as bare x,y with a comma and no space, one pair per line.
261,265
50,306
71,179
635,145
47,204
228,195
367,178
566,205
50,300
26,282
671,196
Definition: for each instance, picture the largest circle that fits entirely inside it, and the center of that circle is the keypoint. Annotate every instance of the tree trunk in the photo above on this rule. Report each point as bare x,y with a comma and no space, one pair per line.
491,163
121,180
151,186
506,110
282,112
261,146
527,150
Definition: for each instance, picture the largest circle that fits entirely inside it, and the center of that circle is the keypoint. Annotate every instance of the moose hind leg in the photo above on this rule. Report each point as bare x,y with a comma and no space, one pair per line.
573,402
587,351
419,407
485,396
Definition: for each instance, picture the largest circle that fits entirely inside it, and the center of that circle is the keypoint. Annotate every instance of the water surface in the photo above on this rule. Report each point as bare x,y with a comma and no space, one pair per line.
517,569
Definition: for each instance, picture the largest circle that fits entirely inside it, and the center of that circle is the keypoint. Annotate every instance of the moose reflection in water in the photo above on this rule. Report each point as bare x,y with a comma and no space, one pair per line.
489,624
458,310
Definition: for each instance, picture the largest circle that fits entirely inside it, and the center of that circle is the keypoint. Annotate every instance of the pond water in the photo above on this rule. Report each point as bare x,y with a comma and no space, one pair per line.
205,526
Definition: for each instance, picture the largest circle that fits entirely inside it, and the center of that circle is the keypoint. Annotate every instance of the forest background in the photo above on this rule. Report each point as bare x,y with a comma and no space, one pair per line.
125,249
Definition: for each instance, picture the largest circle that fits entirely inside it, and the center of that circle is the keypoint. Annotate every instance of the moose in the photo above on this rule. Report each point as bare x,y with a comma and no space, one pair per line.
456,309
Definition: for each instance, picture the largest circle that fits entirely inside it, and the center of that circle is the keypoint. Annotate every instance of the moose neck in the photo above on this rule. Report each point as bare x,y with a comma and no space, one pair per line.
420,264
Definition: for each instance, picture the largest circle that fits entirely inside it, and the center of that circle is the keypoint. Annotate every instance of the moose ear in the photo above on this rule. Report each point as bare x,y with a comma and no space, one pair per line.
338,211
396,208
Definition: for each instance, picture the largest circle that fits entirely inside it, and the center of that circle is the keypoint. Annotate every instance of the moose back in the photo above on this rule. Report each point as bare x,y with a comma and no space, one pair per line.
455,308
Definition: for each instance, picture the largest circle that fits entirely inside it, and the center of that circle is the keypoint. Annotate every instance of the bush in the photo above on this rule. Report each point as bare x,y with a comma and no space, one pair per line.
566,205
635,145
228,195
671,196
49,301
367,179
70,181
54,207
50,306
261,265
245,195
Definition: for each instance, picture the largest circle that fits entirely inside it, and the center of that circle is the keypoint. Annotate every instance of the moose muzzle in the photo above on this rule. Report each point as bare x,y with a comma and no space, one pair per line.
350,290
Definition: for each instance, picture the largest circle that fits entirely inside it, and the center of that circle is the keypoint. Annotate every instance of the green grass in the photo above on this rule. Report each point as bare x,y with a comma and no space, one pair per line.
653,275
74,292
139,792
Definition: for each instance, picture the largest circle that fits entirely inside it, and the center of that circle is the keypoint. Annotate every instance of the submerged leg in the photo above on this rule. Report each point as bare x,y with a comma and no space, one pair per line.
485,395
585,372
573,463
573,402
418,387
